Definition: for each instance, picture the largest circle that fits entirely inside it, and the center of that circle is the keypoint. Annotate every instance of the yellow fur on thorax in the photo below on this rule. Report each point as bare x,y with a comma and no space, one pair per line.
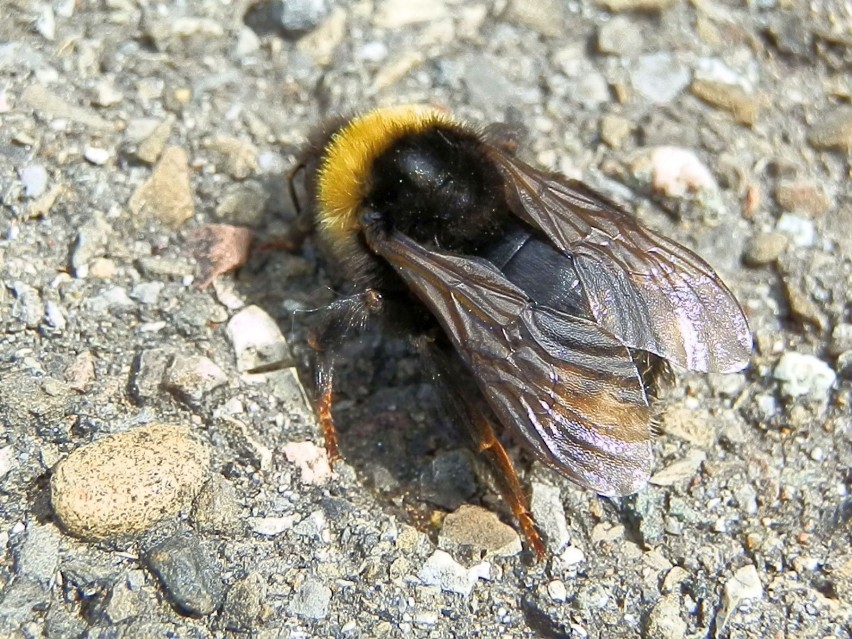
344,175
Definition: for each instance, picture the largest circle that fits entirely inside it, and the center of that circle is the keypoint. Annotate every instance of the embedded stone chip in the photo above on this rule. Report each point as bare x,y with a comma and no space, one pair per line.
124,483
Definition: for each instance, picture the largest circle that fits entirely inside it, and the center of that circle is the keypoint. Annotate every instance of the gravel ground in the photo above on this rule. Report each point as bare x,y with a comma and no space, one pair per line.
160,472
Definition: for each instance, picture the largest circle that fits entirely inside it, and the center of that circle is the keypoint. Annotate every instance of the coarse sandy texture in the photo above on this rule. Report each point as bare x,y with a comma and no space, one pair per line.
125,126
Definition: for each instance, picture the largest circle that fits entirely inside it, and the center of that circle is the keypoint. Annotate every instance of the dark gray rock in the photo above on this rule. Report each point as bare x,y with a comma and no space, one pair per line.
449,480
188,574
245,603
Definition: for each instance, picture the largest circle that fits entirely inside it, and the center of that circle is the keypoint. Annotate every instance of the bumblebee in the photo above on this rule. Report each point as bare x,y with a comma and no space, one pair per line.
542,308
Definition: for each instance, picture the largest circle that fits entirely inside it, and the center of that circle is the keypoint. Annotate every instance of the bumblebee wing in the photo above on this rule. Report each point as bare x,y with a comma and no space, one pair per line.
650,292
564,386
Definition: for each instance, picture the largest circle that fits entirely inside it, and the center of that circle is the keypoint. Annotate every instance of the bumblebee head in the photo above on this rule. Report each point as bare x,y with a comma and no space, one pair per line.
345,171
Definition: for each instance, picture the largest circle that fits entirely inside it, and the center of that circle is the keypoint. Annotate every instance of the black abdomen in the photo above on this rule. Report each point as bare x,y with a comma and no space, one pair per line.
545,274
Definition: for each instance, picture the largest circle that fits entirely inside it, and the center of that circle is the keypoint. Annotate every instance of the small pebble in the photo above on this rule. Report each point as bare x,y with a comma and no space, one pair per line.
311,600
216,509
166,195
313,526
620,36
311,460
546,17
549,514
300,16
478,532
572,556
38,555
153,139
391,15
7,460
54,316
673,579
800,230
257,340
34,179
124,483
804,375
841,338
193,377
323,41
744,584
189,575
592,596
742,106
45,23
242,204
147,292
271,526
765,248
675,172
665,621
375,51
96,155
246,603
557,590
659,77
802,196
239,156
106,95
679,471
614,130
39,98
445,572
832,130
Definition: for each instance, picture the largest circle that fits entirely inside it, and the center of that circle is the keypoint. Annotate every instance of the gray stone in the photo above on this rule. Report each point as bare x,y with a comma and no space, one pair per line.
19,599
800,230
804,375
38,555
245,603
191,378
744,584
479,533
665,621
311,599
313,526
449,480
549,515
487,85
257,340
188,574
149,368
592,596
445,572
620,36
659,77
147,292
34,180
300,16
216,509
28,308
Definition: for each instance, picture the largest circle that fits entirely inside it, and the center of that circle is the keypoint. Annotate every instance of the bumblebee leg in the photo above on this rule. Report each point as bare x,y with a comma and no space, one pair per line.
507,479
343,318
465,405
325,394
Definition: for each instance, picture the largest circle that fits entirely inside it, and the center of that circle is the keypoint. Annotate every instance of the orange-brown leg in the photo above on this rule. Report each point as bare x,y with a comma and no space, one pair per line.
510,488
325,396
344,317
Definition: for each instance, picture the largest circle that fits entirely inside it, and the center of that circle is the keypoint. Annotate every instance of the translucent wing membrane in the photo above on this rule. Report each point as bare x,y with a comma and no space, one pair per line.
645,289
564,386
